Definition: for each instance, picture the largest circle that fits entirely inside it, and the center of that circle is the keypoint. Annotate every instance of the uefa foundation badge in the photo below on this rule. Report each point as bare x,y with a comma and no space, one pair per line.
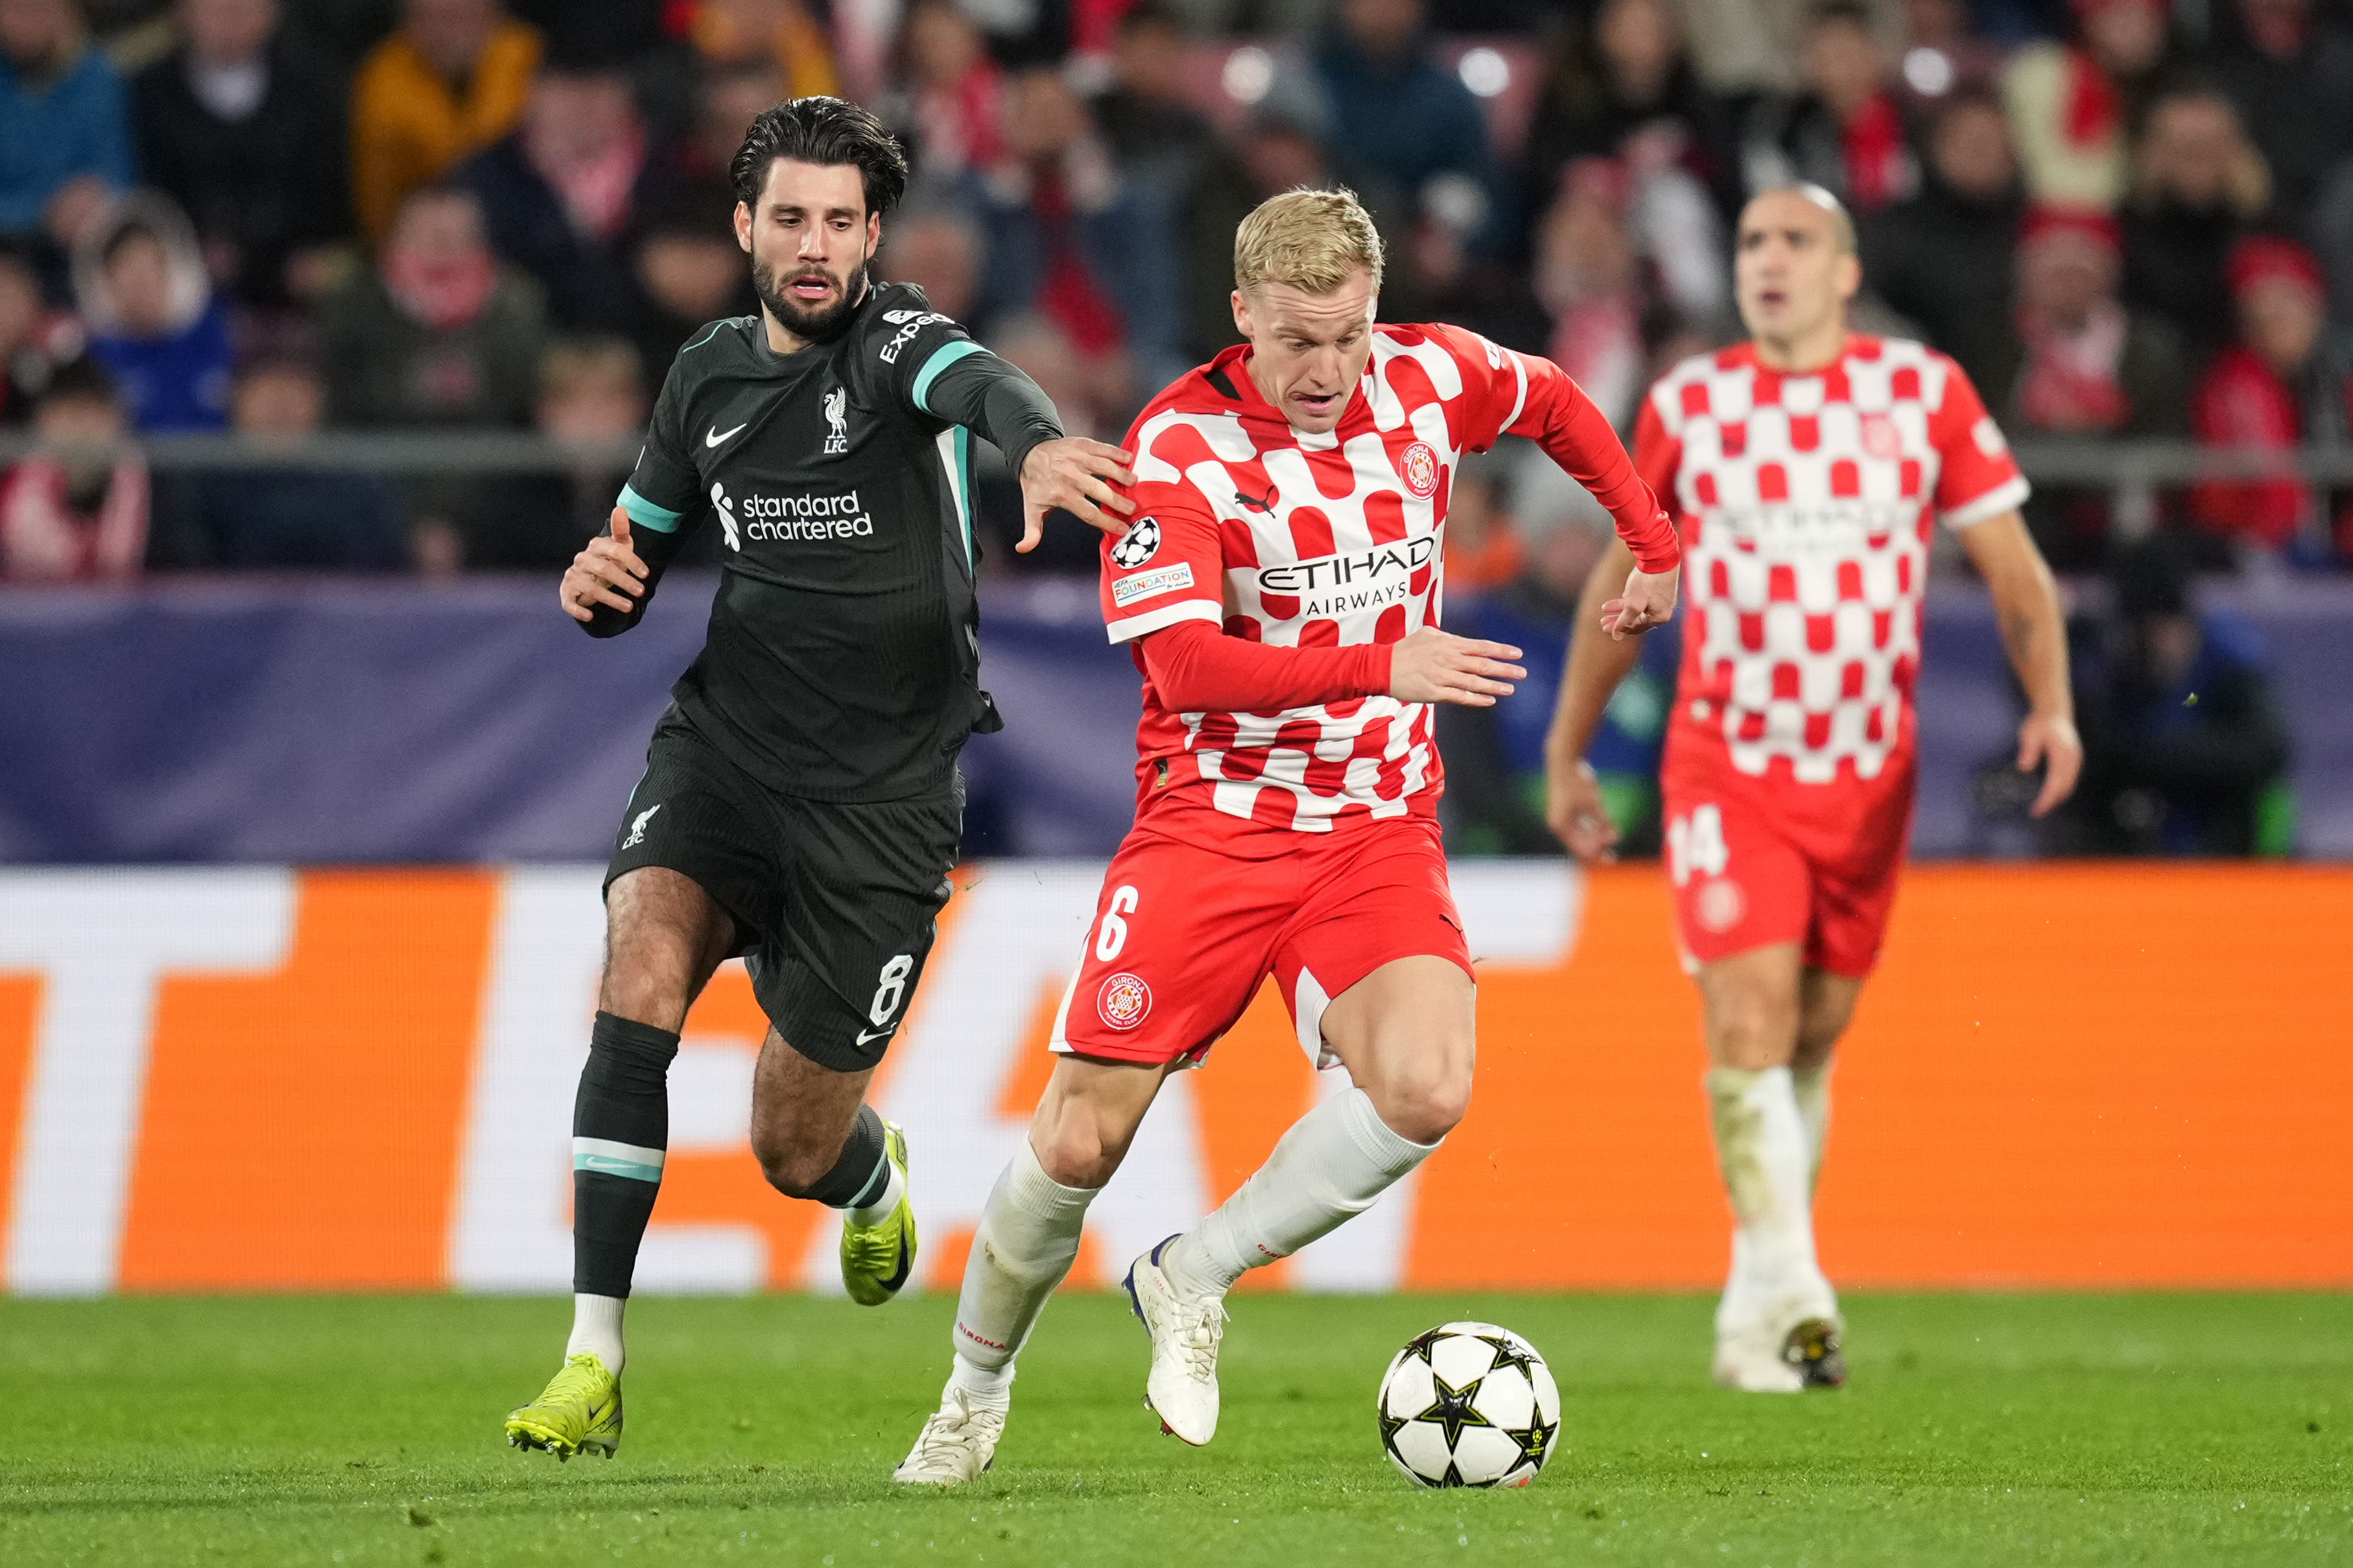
1124,1001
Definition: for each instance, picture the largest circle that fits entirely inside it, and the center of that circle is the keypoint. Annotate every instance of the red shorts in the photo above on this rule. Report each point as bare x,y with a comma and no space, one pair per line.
1756,861
1183,935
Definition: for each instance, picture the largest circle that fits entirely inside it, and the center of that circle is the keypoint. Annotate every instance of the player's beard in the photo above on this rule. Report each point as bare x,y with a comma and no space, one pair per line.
810,325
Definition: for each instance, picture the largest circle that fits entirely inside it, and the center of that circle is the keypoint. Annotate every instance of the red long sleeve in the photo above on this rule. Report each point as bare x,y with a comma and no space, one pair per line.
1561,419
1197,669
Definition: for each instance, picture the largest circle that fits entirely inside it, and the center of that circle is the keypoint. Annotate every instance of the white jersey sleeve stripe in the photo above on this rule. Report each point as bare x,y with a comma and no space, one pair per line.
2005,496
1129,628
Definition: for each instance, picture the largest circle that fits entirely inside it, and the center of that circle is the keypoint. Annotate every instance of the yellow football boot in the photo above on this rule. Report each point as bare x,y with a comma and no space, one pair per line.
877,1259
579,1410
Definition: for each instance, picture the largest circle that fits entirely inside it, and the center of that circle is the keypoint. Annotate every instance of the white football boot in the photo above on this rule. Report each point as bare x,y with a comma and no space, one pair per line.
957,1444
1749,1359
1182,1387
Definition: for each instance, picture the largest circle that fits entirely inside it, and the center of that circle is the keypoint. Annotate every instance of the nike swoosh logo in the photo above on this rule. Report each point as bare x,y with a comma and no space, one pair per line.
876,1034
715,436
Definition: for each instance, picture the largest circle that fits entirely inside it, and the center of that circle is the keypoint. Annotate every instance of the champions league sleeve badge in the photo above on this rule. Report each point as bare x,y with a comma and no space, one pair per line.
1139,544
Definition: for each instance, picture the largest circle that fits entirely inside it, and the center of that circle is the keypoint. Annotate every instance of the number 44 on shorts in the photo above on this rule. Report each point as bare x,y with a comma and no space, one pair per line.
1695,843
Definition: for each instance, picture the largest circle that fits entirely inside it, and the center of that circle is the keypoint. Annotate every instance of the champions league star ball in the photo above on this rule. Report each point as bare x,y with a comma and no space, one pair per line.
1469,1404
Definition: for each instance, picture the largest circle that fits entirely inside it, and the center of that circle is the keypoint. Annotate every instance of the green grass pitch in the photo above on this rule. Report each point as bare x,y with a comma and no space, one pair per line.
2004,1430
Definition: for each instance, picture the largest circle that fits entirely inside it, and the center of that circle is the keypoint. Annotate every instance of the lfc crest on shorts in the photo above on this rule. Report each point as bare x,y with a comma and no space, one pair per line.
1419,467
1124,1001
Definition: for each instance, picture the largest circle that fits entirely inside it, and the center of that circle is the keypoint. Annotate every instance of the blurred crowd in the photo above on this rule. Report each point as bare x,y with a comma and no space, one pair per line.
2125,218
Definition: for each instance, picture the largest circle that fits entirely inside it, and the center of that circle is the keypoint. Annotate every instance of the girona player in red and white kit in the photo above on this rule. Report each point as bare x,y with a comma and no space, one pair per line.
1280,588
1807,470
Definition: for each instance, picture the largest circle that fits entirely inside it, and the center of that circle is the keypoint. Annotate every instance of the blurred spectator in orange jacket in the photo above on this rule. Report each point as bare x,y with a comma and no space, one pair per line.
2071,104
740,32
452,80
76,511
2283,381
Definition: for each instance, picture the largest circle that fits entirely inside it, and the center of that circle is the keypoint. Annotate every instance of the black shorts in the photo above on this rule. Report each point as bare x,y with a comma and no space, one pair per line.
834,904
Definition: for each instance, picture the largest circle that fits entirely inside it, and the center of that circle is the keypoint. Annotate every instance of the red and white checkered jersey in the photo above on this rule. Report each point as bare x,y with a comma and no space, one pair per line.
1806,504
1301,540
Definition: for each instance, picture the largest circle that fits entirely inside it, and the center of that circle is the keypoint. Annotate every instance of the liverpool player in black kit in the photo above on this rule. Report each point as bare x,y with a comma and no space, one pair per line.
801,805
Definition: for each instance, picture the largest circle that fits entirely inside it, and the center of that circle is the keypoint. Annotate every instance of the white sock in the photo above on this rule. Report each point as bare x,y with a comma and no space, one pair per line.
1333,1164
1812,1088
1761,1146
875,1213
596,1329
1029,1236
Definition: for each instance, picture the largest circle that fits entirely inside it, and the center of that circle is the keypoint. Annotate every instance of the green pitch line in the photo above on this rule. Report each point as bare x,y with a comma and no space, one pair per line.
2007,1430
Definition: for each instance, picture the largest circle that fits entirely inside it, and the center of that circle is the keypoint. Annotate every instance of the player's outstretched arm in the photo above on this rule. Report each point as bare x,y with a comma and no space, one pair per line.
2034,635
1600,656
984,393
1197,669
1076,475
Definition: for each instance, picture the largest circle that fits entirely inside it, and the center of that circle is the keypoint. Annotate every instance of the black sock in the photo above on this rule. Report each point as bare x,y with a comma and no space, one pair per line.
862,1172
620,1130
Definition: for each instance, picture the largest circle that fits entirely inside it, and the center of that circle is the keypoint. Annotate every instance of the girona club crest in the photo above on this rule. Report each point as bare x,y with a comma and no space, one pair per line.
1124,1001
1420,468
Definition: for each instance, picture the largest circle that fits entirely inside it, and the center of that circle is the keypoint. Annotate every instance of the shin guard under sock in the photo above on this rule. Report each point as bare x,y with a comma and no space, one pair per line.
620,1133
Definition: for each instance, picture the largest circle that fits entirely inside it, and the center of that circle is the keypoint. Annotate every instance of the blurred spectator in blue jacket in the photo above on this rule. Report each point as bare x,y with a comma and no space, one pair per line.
276,518
561,196
1397,110
65,137
153,321
244,129
2184,749
1065,237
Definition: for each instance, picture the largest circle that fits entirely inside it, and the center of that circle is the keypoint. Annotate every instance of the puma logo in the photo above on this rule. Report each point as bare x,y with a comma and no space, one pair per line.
1264,504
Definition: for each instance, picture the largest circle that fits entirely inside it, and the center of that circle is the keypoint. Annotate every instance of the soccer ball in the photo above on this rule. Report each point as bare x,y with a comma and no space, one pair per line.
1469,1404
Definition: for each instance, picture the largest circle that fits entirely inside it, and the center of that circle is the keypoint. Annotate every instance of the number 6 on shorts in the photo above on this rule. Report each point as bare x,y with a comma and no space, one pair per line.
1113,934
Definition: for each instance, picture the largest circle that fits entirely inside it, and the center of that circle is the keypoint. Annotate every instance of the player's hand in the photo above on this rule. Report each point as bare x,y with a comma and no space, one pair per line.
602,574
1649,601
2050,740
1576,814
1432,666
1077,475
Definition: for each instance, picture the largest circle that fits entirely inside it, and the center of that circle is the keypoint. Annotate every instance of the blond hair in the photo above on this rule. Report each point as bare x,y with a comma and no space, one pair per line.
1313,241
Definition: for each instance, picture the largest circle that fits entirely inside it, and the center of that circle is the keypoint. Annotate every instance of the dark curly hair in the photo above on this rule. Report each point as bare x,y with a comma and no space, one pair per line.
821,131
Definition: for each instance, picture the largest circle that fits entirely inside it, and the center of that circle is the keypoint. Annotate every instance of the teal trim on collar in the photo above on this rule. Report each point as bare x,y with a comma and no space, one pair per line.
707,336
645,514
948,354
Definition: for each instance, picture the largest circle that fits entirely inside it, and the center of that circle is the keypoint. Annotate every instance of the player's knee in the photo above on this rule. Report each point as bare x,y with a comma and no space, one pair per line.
1074,1153
1751,1029
791,1166
1424,1106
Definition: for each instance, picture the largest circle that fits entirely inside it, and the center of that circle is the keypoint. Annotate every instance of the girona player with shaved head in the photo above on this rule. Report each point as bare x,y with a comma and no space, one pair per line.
1279,589
1807,469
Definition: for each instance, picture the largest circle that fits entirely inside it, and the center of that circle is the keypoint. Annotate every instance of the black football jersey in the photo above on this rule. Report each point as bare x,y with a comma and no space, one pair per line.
843,657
